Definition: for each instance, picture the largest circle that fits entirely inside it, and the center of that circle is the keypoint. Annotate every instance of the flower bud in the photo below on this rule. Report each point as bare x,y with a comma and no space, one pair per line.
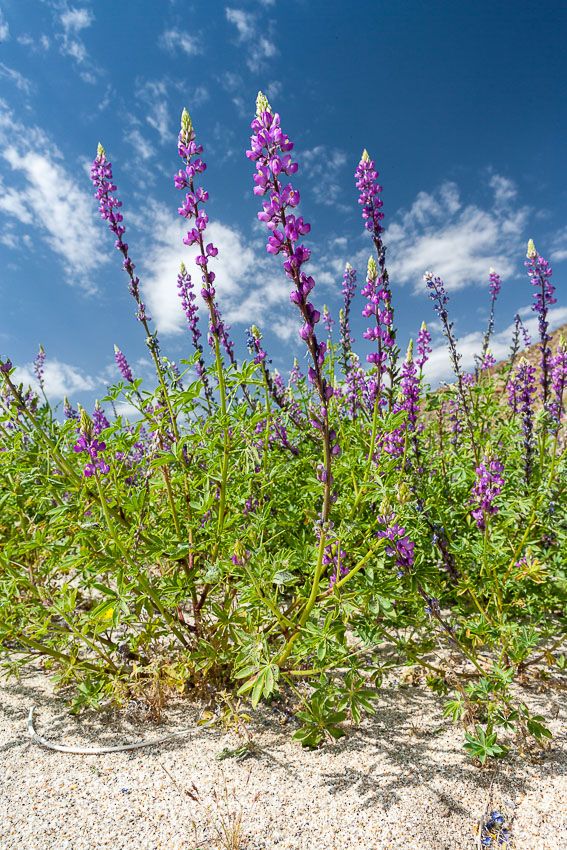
531,250
262,104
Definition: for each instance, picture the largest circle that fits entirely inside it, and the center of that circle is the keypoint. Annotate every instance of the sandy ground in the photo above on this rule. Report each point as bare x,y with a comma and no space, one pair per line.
399,780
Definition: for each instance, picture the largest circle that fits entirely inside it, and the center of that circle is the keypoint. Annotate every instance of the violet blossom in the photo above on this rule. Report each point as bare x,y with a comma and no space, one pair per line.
90,444
559,382
348,291
379,306
399,545
38,367
488,485
540,273
270,149
101,176
123,366
423,347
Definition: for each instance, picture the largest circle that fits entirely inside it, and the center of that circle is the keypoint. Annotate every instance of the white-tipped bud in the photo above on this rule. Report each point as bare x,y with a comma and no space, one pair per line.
348,267
490,270
385,506
428,276
100,152
262,105
186,123
255,332
365,156
409,353
372,271
531,250
182,268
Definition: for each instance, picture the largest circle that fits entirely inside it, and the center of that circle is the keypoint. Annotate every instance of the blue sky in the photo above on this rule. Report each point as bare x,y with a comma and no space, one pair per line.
461,106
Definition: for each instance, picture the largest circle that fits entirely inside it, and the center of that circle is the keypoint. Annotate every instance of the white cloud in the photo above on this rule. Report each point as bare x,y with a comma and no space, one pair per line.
21,82
559,246
457,242
4,28
39,192
73,21
176,39
143,148
438,368
260,44
154,95
322,166
61,379
243,21
34,44
248,287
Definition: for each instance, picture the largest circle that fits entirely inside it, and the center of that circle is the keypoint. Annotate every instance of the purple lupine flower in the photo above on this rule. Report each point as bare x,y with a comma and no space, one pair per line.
379,306
328,322
296,375
281,432
356,394
254,344
488,485
559,382
410,389
101,176
495,285
524,391
348,291
369,190
123,366
100,422
38,366
401,547
5,365
68,410
488,361
190,209
270,151
540,272
89,443
423,347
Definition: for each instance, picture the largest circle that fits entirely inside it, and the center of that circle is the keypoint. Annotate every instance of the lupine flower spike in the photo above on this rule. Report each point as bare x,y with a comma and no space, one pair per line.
540,273
270,151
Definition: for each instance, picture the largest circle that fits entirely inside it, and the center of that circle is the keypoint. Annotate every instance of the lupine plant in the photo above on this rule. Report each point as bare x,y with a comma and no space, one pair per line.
243,532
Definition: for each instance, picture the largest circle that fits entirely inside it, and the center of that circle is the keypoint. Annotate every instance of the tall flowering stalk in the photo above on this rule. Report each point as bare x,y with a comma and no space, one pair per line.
540,272
488,485
495,286
559,382
521,391
348,291
39,368
192,208
440,299
88,442
369,191
185,290
423,347
519,327
270,151
101,177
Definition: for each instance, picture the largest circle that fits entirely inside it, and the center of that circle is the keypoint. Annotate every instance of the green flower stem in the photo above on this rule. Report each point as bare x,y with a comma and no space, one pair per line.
86,640
286,652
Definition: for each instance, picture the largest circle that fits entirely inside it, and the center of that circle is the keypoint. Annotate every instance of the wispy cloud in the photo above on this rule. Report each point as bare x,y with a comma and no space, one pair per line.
61,379
248,287
153,93
175,39
73,21
459,242
35,44
4,28
438,368
141,145
39,192
559,246
21,82
255,36
323,166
